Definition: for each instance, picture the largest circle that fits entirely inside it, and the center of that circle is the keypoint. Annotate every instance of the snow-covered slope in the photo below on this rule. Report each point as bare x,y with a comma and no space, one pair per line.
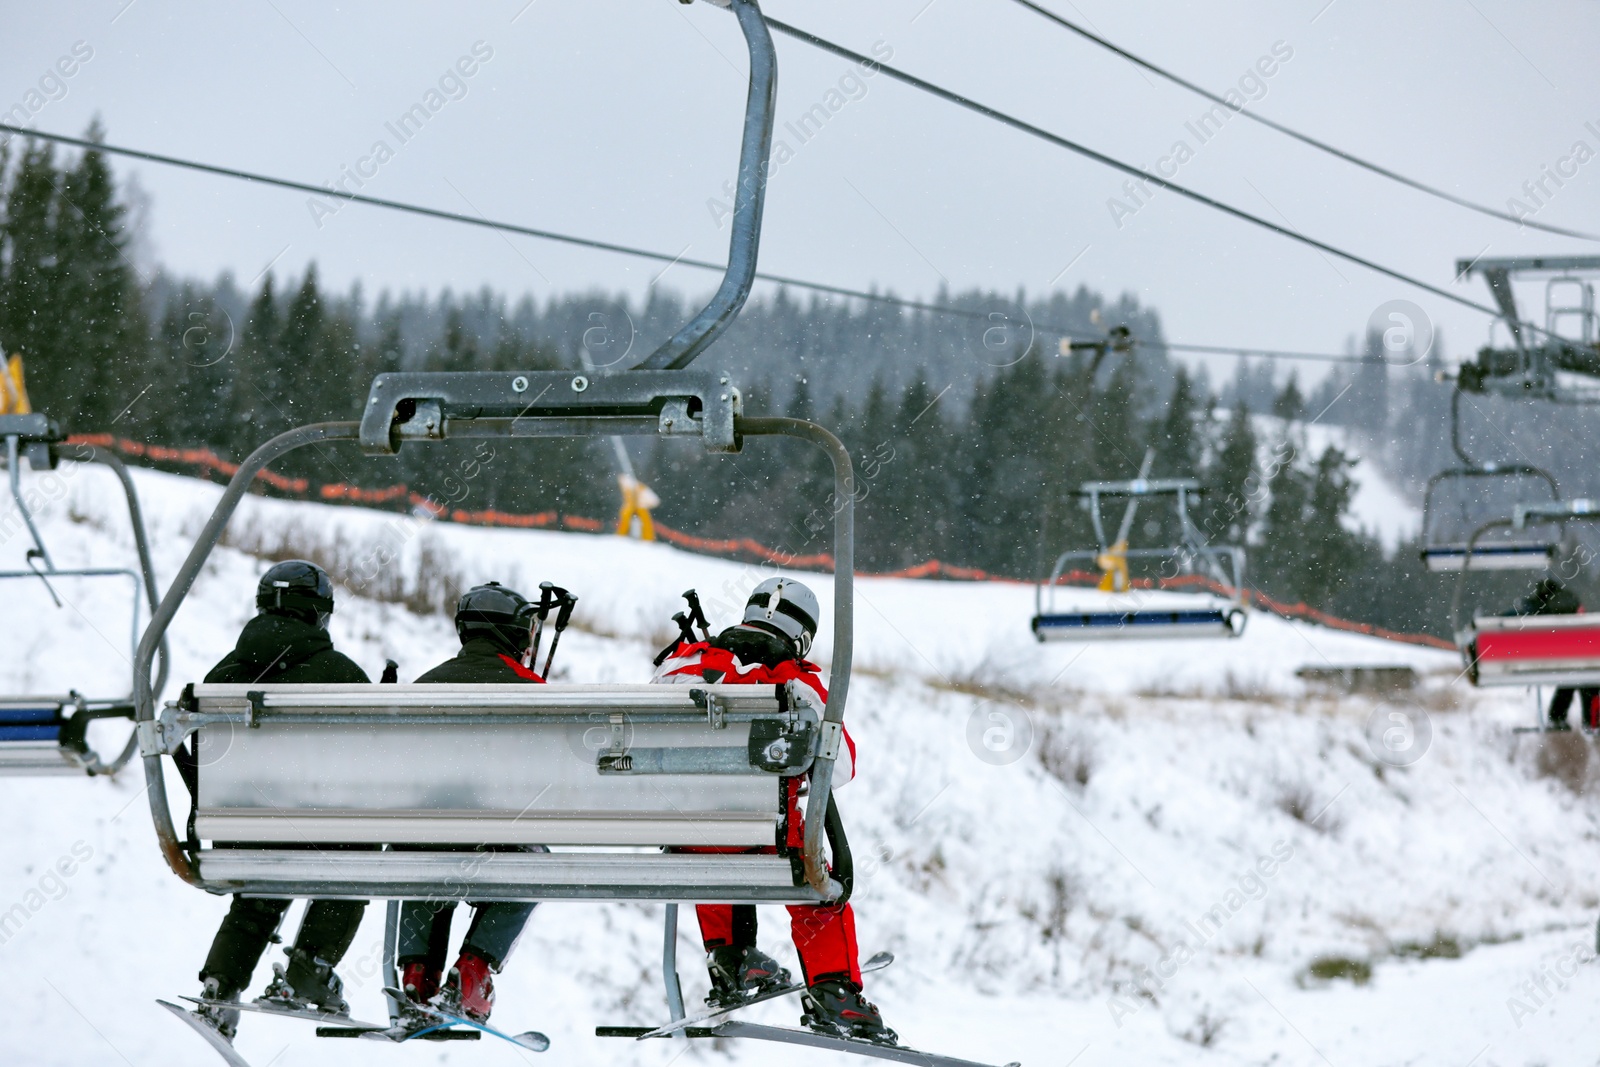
1034,826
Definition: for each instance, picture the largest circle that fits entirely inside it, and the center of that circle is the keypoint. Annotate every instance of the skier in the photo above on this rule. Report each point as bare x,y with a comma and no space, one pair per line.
767,648
1550,597
495,626
286,642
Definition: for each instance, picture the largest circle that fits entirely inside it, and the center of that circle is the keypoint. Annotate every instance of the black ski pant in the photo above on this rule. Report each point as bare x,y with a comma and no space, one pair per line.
1561,700
326,933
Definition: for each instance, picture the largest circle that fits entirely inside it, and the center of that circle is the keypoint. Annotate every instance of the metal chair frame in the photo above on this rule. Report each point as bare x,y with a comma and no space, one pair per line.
1223,563
38,438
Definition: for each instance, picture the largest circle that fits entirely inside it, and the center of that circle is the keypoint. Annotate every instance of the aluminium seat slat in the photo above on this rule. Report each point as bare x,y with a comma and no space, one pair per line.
721,829
503,875
36,757
471,697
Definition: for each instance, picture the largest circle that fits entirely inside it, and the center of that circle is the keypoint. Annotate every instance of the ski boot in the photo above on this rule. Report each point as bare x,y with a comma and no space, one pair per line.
224,1021
836,1007
740,973
420,983
470,989
308,982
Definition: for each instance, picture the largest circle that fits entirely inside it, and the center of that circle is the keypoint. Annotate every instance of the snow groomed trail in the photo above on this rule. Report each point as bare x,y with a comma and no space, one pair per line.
1165,853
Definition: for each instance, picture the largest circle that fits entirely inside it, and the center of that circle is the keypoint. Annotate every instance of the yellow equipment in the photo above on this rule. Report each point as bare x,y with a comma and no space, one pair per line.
637,500
13,393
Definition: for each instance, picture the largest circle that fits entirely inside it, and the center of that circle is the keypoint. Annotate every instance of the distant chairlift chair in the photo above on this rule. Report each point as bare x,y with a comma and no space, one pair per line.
47,735
1223,564
612,777
1463,506
1556,650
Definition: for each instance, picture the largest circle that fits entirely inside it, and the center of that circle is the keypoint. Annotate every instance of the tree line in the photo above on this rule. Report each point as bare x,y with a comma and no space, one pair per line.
970,435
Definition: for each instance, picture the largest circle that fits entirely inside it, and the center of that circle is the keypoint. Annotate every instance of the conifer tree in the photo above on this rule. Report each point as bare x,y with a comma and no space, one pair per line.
1232,480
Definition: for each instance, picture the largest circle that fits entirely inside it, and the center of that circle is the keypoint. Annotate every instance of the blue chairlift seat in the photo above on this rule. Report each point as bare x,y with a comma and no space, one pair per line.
1138,624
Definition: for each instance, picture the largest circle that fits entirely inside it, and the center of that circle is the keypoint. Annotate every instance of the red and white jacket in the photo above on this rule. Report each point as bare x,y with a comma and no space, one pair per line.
689,663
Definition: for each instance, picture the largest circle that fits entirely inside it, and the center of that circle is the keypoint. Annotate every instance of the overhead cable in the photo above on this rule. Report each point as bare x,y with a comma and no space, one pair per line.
1015,123
986,315
1303,138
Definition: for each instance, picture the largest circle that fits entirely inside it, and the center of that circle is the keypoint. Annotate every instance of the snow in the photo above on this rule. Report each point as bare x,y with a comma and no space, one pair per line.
1034,826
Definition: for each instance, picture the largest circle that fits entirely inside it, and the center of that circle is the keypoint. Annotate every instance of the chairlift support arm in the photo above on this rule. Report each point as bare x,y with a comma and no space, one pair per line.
748,201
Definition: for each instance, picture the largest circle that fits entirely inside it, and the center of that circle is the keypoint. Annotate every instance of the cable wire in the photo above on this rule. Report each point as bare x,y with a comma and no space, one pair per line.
1339,153
487,223
629,250
1116,164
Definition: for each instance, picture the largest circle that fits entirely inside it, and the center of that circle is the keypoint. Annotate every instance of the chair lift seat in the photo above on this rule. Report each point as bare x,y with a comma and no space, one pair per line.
1489,557
608,775
1559,650
31,741
1137,624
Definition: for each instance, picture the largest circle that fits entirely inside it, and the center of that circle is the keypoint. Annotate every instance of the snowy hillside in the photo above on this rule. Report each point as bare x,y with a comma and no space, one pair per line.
1152,853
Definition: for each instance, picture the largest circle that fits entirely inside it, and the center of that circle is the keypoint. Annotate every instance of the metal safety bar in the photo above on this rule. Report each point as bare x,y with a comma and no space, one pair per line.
1556,511
39,439
1216,554
154,732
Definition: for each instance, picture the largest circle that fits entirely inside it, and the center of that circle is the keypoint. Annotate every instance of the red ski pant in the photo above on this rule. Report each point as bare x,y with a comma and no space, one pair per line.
824,937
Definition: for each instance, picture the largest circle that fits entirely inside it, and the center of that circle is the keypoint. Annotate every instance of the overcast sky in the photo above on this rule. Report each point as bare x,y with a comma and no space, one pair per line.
619,119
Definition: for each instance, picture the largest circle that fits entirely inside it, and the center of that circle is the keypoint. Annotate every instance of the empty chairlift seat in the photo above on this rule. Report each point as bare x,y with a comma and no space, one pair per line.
1135,624
612,778
48,734
1458,505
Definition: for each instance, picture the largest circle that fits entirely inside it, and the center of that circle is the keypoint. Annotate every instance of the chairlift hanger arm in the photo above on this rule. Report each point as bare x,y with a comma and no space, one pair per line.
748,200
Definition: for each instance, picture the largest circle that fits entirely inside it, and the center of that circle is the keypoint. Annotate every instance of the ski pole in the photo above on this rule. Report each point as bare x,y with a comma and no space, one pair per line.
697,615
546,589
568,602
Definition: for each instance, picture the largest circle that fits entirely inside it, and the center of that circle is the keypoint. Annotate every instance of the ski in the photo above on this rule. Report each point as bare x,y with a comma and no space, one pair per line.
283,1011
532,1040
219,1043
876,963
854,1046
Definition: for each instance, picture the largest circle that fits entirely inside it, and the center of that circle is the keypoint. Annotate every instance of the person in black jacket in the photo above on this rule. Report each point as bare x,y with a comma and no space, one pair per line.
286,642
1550,597
495,625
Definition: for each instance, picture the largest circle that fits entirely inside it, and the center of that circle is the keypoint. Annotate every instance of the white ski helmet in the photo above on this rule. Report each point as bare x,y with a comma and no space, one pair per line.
787,607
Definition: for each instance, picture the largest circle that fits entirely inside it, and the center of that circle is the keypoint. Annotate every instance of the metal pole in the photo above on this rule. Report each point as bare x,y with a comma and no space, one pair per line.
748,198
141,543
14,463
844,498
669,965
155,633
391,945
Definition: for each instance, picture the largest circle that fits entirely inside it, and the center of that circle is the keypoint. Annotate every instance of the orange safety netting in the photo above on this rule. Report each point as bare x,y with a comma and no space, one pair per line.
338,492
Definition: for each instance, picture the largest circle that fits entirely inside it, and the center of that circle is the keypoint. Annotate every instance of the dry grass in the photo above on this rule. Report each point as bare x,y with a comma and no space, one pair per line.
1564,757
1068,754
429,585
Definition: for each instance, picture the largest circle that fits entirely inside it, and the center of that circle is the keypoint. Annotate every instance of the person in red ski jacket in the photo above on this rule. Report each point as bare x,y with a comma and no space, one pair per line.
768,648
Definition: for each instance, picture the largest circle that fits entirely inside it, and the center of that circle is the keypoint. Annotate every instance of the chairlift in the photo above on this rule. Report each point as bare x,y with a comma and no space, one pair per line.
1131,616
1559,650
611,776
1459,501
1568,346
48,734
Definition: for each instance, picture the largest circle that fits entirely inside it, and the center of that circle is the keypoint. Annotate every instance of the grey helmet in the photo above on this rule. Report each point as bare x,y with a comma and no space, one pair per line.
785,607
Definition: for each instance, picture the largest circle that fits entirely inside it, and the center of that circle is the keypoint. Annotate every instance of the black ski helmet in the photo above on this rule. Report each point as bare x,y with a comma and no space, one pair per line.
784,607
297,588
502,615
